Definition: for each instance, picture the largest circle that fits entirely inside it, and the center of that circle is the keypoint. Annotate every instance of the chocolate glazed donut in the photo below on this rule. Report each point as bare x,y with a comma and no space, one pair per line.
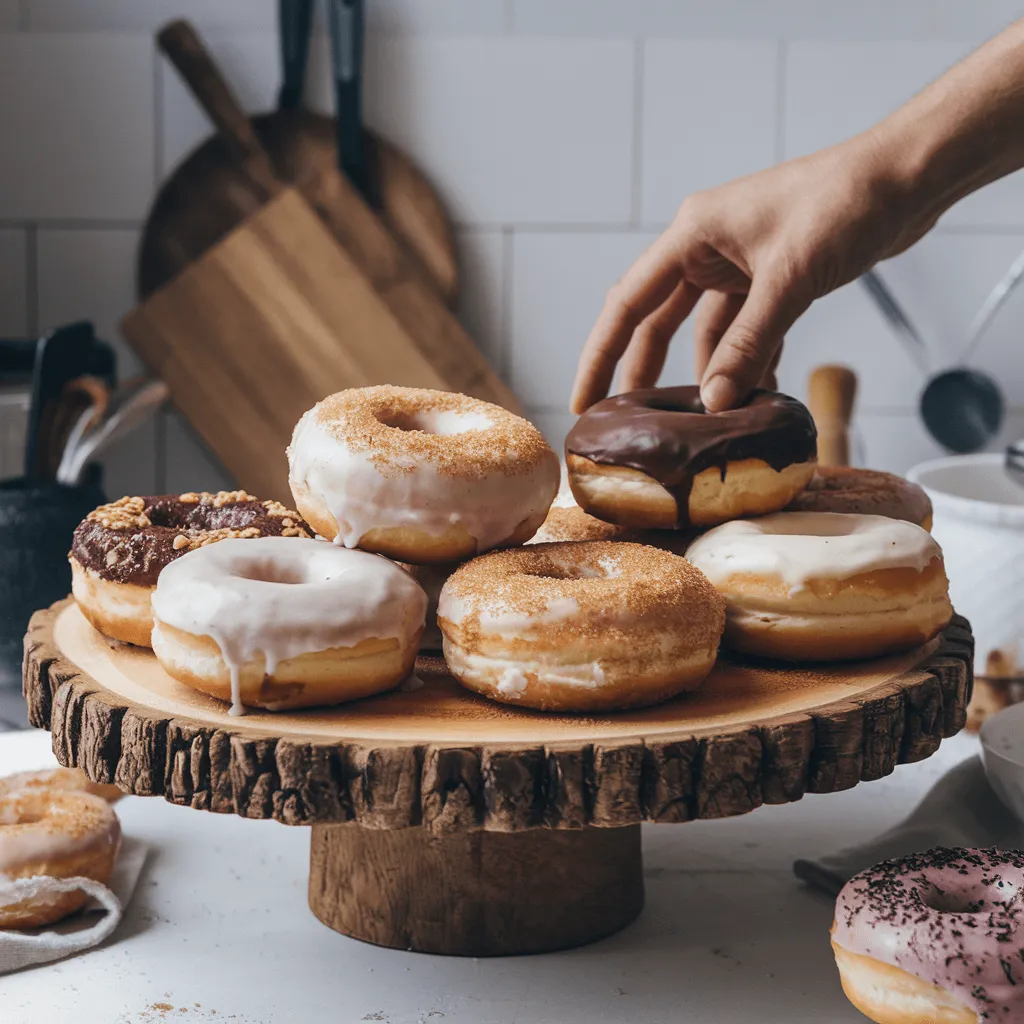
119,549
713,466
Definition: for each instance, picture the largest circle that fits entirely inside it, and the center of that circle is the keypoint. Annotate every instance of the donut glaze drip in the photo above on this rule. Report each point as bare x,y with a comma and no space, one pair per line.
131,540
665,433
954,918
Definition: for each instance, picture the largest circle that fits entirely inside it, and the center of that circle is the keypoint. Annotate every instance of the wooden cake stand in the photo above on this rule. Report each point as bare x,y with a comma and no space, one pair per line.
445,823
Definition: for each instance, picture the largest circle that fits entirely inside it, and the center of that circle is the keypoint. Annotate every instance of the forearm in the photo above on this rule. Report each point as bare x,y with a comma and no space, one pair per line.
963,131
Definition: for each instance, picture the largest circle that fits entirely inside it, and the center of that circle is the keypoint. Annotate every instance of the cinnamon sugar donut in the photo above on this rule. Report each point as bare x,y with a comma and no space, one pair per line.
58,780
655,459
119,549
864,492
935,937
590,626
278,623
420,476
823,586
571,523
58,835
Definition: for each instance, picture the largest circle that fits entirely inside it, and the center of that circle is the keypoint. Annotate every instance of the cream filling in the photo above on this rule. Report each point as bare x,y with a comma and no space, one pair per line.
511,677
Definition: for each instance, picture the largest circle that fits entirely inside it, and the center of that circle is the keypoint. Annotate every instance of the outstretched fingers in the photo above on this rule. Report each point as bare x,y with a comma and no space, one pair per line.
647,285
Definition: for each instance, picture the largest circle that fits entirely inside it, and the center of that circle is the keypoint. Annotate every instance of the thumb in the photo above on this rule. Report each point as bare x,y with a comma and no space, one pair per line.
749,346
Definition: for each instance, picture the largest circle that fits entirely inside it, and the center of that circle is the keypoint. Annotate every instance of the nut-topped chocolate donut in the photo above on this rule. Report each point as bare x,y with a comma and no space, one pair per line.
120,548
654,458
936,936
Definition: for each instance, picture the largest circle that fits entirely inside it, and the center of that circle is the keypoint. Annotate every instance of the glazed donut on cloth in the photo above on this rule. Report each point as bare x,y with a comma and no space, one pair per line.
420,476
55,834
589,626
119,550
571,523
58,780
822,586
864,492
934,938
277,623
654,458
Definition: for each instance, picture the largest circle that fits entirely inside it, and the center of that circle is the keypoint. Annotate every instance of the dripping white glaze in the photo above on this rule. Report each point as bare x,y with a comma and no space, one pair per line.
801,546
281,597
363,494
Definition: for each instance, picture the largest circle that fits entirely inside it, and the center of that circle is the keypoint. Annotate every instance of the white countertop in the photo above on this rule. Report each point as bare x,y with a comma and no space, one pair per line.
219,930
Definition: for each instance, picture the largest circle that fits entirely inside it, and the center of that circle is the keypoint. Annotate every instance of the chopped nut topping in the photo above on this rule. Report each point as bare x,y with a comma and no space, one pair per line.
181,541
124,514
189,498
275,508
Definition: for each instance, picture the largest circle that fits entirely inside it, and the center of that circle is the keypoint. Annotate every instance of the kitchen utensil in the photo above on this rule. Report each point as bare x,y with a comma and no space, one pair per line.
61,355
82,404
271,319
961,408
129,406
831,392
427,324
37,520
346,24
1002,753
207,195
979,523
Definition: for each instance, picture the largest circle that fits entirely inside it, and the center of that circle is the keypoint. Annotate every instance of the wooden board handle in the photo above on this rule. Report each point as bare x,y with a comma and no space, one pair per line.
182,46
831,393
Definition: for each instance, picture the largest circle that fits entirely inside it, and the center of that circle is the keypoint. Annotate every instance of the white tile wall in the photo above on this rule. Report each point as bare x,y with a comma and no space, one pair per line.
13,284
524,132
710,113
77,125
562,134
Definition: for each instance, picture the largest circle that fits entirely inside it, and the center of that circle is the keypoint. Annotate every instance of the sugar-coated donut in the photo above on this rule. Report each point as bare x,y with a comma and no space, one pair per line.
119,549
864,492
571,523
588,626
655,459
420,476
58,780
935,938
57,834
276,623
823,586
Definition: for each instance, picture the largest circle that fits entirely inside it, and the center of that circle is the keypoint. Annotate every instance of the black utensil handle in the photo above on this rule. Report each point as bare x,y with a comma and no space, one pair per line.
347,32
295,20
183,47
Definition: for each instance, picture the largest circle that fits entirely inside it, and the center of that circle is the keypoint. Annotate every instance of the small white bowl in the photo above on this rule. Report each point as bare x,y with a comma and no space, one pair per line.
1002,753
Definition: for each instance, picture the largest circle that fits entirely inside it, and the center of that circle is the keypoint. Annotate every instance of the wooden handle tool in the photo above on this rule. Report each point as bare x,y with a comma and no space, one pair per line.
831,393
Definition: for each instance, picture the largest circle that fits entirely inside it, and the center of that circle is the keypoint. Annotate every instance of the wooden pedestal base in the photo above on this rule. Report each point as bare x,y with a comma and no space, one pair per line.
476,893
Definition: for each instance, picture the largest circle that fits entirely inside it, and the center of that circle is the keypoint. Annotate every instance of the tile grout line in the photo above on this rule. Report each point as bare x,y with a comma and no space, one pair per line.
505,322
32,280
636,189
781,59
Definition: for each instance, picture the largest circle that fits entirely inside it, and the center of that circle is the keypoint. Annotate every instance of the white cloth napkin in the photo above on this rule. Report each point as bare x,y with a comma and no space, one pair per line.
960,810
81,931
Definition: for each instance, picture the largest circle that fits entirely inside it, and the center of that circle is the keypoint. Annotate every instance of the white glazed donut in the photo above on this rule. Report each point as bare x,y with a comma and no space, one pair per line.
420,476
825,586
284,623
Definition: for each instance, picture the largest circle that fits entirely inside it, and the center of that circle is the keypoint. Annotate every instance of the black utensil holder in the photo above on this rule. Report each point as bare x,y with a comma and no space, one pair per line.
37,520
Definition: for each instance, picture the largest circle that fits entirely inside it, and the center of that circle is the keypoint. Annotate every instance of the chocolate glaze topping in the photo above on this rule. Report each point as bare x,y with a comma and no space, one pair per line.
665,433
952,917
131,540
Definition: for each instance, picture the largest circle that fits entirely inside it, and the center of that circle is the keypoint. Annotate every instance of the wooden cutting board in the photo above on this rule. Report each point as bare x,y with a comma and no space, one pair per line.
232,175
261,327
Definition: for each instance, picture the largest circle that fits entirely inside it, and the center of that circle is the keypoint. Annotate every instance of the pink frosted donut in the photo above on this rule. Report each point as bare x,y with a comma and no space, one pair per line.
936,937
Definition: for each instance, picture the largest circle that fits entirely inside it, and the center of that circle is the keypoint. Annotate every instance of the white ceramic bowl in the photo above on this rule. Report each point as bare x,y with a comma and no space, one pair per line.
1002,752
979,524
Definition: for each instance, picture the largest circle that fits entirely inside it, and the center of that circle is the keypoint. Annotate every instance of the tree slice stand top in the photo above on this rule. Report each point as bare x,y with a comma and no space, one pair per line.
437,756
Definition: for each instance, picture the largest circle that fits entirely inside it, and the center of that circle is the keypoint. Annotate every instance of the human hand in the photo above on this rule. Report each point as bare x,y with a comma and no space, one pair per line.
750,256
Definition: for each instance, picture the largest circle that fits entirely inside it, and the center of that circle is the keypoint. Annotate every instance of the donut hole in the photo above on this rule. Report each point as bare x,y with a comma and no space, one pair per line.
605,569
976,900
440,422
271,572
